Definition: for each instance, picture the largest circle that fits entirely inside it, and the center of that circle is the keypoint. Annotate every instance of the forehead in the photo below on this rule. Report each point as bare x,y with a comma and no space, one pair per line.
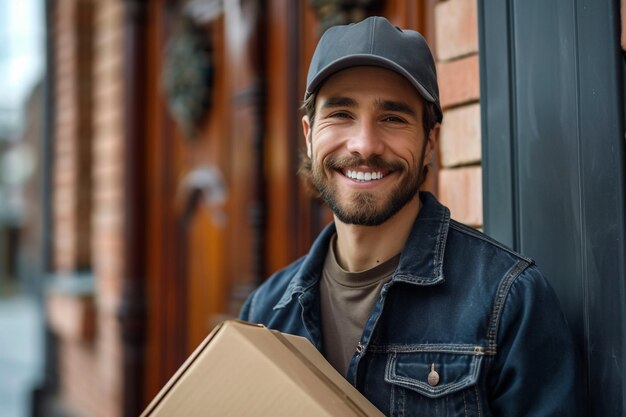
369,83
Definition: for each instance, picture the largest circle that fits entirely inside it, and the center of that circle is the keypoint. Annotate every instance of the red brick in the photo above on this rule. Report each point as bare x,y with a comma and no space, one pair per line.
460,142
110,60
110,14
109,349
108,138
96,393
109,271
108,36
456,26
64,162
71,317
110,290
82,390
109,219
459,81
460,189
72,127
64,244
111,89
66,102
63,261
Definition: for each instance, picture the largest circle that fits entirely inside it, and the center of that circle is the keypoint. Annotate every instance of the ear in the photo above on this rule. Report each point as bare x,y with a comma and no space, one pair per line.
306,128
431,144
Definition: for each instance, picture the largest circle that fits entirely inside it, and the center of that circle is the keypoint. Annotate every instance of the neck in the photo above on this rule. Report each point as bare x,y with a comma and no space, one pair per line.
360,248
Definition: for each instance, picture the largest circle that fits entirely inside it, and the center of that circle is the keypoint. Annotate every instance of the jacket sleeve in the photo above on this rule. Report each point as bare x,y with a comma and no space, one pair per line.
536,371
245,312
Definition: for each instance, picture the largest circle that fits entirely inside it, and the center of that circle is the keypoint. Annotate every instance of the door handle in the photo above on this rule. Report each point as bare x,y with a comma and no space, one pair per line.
205,184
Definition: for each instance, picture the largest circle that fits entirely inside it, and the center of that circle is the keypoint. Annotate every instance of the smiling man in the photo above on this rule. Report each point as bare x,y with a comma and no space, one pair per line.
425,316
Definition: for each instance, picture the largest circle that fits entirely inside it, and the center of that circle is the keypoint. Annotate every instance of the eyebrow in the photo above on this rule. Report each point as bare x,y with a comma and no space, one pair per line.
396,106
385,105
333,102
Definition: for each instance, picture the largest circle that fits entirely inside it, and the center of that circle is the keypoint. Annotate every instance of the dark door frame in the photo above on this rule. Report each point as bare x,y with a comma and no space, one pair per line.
552,98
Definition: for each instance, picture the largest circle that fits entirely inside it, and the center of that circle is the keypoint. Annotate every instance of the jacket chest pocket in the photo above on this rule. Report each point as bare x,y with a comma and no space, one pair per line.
434,383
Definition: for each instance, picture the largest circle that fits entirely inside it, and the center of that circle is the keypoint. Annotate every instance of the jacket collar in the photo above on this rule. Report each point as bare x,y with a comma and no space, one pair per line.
421,260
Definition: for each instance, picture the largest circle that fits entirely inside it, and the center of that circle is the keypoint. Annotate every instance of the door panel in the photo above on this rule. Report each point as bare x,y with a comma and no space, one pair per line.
226,207
554,163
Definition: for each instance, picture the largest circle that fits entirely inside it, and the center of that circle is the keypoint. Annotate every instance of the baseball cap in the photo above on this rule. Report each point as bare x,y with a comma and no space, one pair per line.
376,42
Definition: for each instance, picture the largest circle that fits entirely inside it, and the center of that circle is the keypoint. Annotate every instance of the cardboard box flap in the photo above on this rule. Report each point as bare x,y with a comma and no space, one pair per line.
248,370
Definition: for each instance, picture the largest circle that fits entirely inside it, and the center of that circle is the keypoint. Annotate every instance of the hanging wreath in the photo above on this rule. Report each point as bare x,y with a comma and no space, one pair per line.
341,12
188,75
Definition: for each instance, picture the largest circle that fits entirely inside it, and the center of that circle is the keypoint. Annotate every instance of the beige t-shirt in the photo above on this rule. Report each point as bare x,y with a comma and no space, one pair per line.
346,300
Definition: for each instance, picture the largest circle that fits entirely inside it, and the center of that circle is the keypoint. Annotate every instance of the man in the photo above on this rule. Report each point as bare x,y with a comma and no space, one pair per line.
425,316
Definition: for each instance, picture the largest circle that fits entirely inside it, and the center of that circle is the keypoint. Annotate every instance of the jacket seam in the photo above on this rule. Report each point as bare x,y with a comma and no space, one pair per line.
458,349
475,233
441,242
501,295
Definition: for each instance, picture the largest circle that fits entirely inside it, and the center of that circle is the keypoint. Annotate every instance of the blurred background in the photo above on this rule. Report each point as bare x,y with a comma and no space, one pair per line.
148,159
22,325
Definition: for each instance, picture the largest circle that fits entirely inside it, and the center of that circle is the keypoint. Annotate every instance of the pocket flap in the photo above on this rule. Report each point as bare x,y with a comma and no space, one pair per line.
454,372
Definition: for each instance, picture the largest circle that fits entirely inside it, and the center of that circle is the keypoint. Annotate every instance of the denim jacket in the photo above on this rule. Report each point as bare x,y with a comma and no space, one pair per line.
480,316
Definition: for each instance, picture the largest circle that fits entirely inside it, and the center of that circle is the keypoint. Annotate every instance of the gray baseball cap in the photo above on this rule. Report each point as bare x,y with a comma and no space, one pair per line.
376,42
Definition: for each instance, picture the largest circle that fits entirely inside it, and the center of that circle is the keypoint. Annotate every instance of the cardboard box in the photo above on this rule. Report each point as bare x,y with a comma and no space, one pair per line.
243,369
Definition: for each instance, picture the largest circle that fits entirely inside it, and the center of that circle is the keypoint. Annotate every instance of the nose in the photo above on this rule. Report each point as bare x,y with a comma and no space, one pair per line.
366,141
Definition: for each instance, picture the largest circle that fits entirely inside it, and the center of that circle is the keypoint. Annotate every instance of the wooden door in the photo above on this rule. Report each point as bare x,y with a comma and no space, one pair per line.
205,195
225,206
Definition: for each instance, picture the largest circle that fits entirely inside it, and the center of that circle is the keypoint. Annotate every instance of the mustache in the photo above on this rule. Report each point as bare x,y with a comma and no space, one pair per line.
375,162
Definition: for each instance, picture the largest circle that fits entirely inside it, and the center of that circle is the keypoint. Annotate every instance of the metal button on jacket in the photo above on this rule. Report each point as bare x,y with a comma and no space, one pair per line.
433,376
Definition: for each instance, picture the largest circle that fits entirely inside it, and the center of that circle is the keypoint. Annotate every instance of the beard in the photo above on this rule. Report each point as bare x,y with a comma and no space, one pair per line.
364,208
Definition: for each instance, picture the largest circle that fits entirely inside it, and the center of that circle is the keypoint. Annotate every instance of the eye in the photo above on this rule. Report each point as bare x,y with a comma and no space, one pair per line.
393,119
340,115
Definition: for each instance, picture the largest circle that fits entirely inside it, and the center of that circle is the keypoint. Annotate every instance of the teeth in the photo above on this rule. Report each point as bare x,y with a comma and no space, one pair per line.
364,176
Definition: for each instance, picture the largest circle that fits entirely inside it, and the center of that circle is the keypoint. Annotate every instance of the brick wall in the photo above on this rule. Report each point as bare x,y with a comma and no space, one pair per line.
72,152
460,175
88,196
